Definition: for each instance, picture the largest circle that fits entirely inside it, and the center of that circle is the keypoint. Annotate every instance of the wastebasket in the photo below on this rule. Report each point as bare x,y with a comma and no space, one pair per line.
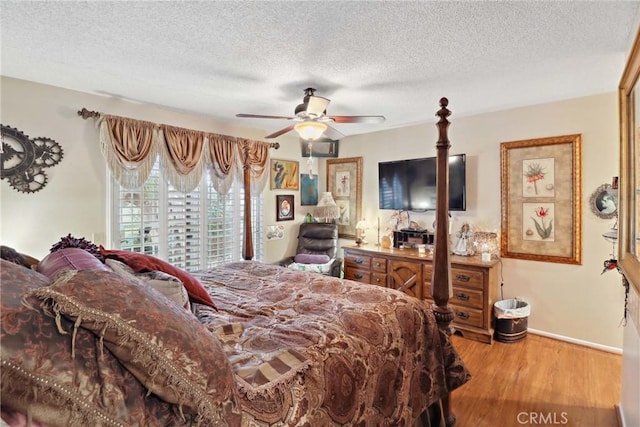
511,319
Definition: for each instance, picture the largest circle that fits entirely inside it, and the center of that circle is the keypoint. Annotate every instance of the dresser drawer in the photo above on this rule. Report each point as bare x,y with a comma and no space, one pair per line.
467,316
357,275
379,265
357,261
467,278
461,296
379,279
467,297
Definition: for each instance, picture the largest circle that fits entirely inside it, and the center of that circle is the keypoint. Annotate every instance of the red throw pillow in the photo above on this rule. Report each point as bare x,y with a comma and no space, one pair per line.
141,262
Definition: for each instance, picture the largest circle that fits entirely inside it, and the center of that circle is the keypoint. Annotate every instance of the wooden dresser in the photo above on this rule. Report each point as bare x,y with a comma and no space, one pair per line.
475,283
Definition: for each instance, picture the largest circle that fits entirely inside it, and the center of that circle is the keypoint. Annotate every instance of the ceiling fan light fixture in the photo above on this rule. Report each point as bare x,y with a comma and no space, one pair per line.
310,130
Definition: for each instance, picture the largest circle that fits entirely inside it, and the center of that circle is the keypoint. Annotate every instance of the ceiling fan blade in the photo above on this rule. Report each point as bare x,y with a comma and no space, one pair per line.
357,119
333,133
261,116
317,105
280,132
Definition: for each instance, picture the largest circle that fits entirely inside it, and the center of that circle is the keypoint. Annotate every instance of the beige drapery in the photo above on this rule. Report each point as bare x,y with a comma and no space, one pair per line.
131,148
182,156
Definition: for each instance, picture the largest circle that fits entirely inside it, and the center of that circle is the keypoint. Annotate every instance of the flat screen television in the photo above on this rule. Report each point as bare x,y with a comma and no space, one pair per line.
410,185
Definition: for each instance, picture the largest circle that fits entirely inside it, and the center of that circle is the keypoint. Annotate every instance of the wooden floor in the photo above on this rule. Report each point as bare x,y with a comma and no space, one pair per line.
537,381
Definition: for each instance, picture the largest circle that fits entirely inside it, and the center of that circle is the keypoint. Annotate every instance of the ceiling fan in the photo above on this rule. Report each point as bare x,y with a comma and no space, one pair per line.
312,119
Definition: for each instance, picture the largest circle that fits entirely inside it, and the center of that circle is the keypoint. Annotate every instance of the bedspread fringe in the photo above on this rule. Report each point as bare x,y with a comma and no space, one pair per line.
144,353
274,388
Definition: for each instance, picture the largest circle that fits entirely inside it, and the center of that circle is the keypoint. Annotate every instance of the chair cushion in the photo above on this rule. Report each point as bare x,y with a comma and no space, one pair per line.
316,268
312,258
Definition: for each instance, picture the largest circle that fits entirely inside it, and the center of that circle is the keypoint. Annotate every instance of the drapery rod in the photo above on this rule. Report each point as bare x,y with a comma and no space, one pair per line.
85,114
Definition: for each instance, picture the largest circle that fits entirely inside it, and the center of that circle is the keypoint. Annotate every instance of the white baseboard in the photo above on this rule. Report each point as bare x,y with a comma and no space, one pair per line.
620,415
576,341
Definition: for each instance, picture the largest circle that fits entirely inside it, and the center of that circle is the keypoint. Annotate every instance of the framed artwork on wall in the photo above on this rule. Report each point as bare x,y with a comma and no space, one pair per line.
308,189
344,181
541,199
604,202
284,174
319,148
284,207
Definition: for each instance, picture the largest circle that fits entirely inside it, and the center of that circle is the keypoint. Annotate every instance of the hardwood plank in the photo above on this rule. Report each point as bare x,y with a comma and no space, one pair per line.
537,381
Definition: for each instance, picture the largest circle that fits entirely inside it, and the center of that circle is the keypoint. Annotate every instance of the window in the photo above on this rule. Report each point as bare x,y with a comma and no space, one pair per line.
192,231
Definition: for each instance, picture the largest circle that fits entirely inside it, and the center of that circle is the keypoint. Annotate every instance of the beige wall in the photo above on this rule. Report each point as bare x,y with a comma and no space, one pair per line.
572,301
567,300
74,200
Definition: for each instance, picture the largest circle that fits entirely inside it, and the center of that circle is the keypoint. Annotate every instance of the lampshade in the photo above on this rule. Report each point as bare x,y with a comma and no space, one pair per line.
310,129
327,207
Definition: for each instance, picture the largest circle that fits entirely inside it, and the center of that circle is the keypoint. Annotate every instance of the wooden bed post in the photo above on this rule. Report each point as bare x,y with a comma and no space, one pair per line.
247,244
441,274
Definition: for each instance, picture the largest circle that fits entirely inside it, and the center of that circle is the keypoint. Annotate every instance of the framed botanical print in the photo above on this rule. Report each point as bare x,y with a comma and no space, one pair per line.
344,181
541,199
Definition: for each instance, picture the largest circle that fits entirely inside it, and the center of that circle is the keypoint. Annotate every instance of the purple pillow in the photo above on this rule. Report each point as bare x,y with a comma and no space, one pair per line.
69,259
312,258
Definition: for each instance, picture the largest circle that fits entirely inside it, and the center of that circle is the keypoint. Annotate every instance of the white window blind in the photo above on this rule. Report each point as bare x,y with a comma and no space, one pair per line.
192,231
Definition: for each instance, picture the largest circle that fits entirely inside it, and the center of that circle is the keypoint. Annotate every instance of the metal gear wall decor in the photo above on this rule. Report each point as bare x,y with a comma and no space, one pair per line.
23,159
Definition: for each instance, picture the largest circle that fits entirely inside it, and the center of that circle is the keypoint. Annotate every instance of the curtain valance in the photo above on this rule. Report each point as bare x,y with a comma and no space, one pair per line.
131,148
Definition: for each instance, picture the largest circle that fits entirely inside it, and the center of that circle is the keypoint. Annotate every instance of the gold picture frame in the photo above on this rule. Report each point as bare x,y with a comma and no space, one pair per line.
604,202
541,182
284,174
344,181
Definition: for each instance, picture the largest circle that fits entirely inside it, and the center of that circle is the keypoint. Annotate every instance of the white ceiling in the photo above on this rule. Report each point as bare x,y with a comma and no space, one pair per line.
389,58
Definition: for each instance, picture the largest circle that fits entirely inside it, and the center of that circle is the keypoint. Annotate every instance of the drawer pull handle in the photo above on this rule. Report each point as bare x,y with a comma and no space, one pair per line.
463,277
358,276
358,261
462,315
463,297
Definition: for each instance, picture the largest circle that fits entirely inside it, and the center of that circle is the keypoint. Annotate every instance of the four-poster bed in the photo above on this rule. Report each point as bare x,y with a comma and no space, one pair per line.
278,348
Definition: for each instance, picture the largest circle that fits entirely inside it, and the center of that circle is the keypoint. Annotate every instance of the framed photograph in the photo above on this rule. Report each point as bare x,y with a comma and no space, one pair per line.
344,181
604,202
284,207
319,148
541,199
308,189
284,174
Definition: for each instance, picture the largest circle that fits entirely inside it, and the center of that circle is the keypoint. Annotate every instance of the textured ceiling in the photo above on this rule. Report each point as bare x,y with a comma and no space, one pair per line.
370,58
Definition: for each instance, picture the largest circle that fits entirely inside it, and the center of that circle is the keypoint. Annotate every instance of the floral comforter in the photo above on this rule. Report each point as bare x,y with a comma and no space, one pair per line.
314,350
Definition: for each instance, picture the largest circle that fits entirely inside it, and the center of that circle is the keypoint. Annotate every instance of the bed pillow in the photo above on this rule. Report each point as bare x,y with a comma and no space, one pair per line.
312,258
168,285
10,254
141,263
161,344
69,259
44,379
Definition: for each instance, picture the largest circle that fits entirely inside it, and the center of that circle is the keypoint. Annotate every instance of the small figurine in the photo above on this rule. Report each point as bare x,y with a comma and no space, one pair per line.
463,246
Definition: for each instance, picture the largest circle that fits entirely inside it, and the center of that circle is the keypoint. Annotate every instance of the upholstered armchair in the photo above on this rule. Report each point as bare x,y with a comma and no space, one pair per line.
317,249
